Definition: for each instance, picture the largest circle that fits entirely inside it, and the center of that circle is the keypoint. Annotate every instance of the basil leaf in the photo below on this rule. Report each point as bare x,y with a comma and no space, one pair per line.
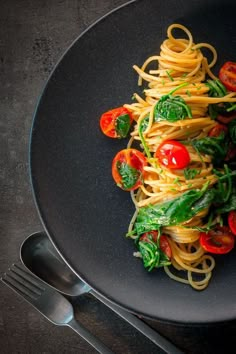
171,108
122,125
129,174
173,212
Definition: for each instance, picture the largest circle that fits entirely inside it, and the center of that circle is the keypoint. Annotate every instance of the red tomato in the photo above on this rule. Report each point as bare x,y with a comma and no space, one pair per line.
116,122
217,130
219,241
227,75
164,243
127,169
172,154
232,221
165,246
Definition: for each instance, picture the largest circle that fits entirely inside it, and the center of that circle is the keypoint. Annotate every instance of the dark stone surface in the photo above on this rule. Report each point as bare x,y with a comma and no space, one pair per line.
33,36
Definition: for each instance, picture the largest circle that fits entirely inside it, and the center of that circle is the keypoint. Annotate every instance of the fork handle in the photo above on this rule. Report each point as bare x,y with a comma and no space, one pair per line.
89,337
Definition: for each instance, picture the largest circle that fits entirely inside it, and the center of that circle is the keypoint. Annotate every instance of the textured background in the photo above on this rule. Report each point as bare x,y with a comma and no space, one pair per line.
33,36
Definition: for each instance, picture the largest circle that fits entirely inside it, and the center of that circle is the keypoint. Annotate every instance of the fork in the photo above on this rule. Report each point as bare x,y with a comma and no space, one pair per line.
50,303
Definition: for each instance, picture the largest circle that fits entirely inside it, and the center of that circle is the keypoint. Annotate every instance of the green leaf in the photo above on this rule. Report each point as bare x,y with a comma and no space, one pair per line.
129,174
144,124
152,255
229,205
217,89
216,147
175,211
142,127
171,108
122,125
164,260
224,188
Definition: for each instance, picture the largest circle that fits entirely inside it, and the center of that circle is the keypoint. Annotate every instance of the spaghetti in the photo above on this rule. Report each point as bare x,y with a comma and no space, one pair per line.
180,60
180,74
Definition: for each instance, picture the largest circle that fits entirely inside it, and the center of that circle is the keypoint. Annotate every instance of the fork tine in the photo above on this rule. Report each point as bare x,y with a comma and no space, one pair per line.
17,287
19,280
37,284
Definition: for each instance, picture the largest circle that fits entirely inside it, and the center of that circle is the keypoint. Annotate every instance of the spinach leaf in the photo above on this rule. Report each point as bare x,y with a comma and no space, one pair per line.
122,125
144,124
226,191
129,174
229,205
171,108
142,127
174,211
152,255
217,89
223,188
215,146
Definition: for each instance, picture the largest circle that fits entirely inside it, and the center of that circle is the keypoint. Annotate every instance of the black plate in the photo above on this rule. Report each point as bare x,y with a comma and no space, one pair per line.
85,214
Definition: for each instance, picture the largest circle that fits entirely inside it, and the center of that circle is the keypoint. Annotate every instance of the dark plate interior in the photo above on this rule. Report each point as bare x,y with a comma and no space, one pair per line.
85,214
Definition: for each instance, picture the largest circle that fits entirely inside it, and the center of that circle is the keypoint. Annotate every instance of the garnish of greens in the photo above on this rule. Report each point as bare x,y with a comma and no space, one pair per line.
217,89
122,125
172,108
129,174
152,255
191,173
215,146
142,127
174,211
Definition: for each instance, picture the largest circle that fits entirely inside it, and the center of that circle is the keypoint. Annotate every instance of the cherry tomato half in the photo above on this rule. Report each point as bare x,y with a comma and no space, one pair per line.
164,243
219,240
227,75
172,154
232,221
218,129
127,169
116,122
